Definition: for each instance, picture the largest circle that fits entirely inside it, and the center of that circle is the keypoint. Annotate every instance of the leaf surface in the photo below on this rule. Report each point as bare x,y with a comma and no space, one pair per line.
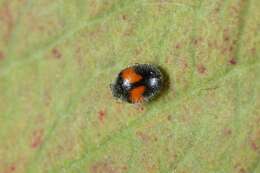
58,58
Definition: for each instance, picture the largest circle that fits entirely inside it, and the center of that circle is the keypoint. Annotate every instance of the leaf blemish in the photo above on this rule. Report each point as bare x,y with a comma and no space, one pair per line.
242,170
226,38
201,69
10,168
37,138
103,167
183,64
124,17
56,53
231,48
232,61
253,50
227,131
253,145
101,115
196,41
7,17
226,35
169,118
140,108
178,45
144,137
239,168
216,10
2,56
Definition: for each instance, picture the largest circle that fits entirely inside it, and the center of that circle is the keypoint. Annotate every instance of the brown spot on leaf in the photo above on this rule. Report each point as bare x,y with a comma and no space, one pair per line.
101,115
226,37
224,50
184,64
253,145
7,17
56,53
201,69
253,50
37,138
227,131
140,108
12,168
9,169
242,170
232,61
2,56
231,48
216,10
124,17
144,137
235,9
254,141
124,168
196,41
178,45
169,118
103,167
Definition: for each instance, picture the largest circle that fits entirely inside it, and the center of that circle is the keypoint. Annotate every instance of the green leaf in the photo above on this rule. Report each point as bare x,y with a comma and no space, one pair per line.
58,58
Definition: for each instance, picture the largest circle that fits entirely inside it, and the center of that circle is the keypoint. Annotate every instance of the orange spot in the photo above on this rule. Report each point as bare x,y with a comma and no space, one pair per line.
130,75
136,94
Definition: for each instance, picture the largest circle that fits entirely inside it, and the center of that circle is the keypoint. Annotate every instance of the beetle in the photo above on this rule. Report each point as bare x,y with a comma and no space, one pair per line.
138,83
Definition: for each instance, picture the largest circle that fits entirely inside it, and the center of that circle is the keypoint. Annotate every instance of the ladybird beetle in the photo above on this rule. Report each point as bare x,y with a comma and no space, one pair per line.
138,83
